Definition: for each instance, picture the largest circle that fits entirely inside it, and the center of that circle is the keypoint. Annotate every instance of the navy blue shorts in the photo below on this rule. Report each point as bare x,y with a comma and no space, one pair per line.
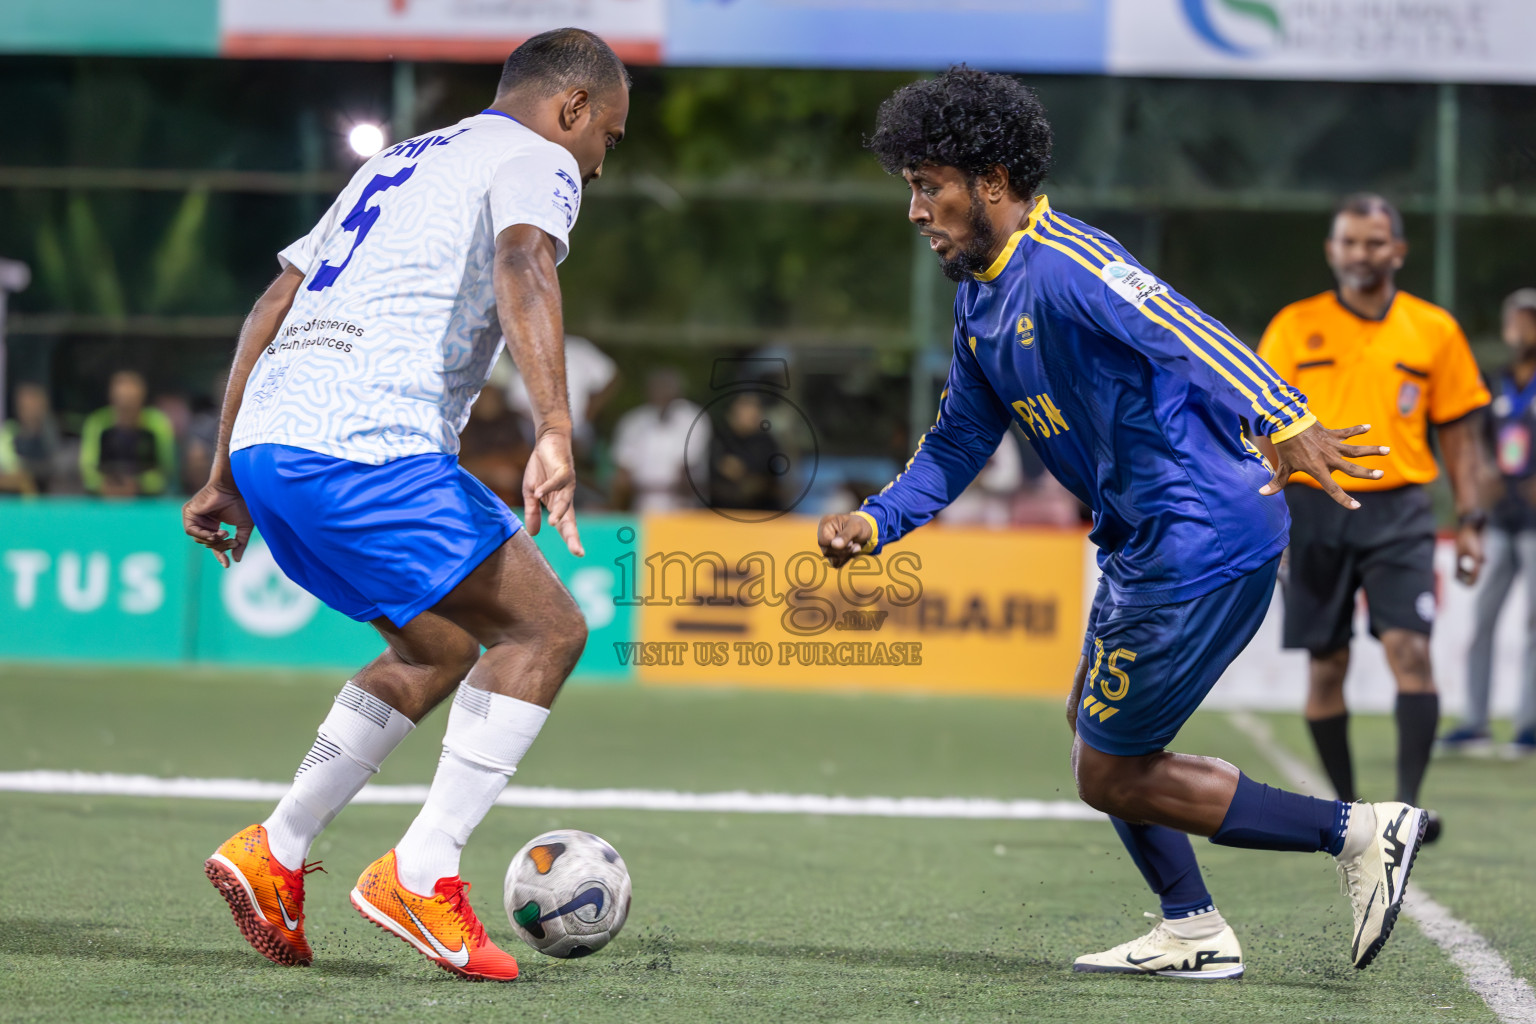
371,541
1150,667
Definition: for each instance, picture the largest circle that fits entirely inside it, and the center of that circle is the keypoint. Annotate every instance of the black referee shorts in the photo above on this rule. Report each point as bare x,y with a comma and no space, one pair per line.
1386,546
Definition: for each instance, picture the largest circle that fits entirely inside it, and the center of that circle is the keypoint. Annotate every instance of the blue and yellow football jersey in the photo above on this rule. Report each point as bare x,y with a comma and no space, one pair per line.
1133,398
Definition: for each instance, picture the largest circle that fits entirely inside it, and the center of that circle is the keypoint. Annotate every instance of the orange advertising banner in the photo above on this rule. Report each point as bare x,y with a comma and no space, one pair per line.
952,611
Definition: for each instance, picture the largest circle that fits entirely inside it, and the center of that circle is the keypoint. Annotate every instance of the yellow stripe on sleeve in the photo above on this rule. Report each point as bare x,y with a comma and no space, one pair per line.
1243,351
1286,433
1282,407
1087,241
1197,350
1208,329
874,528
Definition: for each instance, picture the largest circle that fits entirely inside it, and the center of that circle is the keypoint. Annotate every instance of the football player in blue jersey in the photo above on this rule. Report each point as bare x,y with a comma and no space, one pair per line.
1137,402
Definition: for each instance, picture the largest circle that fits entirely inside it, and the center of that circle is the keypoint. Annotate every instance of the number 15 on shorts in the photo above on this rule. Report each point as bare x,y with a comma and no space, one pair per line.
1114,687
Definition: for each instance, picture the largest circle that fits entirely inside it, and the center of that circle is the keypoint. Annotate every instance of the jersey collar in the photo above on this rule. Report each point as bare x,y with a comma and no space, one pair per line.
500,113
1041,208
1338,297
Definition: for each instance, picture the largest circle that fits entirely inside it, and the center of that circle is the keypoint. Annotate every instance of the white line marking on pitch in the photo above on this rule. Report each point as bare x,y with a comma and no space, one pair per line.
110,784
1487,972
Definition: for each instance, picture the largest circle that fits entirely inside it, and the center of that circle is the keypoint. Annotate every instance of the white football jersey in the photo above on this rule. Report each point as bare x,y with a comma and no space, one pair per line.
394,330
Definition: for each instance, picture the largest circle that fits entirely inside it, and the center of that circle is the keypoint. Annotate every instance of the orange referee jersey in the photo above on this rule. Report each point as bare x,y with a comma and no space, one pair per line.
1410,369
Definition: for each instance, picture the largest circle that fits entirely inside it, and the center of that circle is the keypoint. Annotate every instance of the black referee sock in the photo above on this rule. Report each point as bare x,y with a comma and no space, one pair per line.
1418,716
1331,736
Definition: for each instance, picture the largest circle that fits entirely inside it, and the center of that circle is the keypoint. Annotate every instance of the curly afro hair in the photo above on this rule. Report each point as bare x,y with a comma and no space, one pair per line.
968,119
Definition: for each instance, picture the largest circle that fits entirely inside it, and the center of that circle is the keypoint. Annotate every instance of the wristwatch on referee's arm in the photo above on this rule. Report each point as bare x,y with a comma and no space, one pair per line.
1475,518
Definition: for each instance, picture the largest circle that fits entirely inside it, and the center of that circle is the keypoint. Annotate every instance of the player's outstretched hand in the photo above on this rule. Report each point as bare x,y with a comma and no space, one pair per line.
1317,451
204,515
550,479
843,536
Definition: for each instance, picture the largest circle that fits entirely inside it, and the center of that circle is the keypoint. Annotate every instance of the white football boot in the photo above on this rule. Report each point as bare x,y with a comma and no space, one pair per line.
1378,853
1201,948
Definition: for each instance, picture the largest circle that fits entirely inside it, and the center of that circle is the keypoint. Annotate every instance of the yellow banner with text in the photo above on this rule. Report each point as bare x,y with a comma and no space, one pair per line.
953,611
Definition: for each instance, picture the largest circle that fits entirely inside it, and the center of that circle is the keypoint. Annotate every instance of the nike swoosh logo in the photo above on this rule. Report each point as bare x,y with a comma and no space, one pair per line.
458,957
1146,959
592,897
1364,919
288,922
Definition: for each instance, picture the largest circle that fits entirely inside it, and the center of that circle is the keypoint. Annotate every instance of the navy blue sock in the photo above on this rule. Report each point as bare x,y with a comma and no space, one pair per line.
1265,818
1167,862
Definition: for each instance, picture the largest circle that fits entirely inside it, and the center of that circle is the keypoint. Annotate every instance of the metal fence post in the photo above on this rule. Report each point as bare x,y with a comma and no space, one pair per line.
1446,195
923,299
402,119
14,277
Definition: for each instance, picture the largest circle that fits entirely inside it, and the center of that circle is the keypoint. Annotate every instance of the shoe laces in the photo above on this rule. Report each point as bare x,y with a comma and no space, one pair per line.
1158,934
456,892
293,880
1349,883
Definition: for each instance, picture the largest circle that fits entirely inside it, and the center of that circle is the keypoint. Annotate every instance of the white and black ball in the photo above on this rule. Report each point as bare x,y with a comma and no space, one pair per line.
567,893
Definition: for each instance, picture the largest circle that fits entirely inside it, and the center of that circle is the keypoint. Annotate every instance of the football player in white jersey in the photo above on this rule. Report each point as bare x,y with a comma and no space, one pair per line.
353,376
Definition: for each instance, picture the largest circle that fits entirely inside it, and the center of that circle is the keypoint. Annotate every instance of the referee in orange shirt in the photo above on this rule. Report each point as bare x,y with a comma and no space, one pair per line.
1369,353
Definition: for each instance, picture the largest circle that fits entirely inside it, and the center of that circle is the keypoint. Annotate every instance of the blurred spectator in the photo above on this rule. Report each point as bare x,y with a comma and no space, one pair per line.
1013,489
178,410
746,463
651,448
1045,502
29,444
988,501
591,378
202,437
127,449
1510,495
494,446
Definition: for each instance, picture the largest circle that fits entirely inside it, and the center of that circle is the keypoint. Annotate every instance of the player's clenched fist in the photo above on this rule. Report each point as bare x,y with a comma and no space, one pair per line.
843,536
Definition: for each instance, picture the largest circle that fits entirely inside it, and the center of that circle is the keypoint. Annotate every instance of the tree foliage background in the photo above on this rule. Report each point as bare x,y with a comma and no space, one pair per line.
741,209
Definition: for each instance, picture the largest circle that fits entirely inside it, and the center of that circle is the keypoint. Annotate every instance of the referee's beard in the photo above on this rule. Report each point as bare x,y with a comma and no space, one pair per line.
976,254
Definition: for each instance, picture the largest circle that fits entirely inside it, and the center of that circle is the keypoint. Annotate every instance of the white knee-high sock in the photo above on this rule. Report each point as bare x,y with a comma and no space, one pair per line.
353,741
487,736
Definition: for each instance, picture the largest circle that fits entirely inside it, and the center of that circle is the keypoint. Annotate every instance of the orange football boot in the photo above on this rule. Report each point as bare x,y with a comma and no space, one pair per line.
266,898
442,926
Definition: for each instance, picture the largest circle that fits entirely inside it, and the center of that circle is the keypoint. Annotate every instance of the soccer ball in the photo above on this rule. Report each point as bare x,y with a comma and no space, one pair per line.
567,893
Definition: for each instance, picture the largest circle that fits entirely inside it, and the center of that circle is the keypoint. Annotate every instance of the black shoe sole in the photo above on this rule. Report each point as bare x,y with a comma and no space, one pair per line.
1389,916
1431,827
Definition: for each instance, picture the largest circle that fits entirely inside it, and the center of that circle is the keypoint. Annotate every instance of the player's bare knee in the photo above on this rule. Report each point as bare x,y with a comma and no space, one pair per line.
567,638
459,659
1327,670
1101,793
1088,789
1408,654
1099,784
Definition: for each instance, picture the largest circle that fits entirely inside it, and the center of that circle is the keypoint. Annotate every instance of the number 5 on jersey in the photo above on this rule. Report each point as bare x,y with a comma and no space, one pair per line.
361,221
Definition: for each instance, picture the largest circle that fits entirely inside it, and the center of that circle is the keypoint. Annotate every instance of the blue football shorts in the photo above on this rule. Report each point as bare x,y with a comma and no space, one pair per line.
371,541
1149,667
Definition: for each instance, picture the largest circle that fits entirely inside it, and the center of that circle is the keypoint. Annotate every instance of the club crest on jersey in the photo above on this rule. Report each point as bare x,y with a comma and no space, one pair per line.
1132,284
1025,334
1407,397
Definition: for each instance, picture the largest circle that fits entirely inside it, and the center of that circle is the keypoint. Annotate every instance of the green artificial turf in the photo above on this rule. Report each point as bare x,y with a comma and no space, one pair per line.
105,914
